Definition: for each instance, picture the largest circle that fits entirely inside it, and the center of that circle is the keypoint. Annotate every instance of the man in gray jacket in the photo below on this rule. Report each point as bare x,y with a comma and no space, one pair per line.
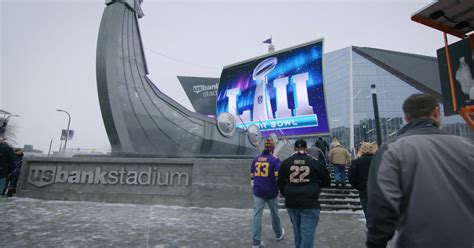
422,184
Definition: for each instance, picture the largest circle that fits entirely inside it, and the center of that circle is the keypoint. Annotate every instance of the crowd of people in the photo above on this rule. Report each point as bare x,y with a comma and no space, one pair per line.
420,184
10,166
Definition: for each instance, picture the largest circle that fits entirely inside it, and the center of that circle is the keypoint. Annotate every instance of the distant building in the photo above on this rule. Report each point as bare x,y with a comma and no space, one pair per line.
202,92
29,149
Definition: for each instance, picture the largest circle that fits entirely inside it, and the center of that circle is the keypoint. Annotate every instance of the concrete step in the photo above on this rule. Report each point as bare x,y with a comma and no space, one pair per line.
331,207
338,196
347,190
331,169
347,186
333,181
346,201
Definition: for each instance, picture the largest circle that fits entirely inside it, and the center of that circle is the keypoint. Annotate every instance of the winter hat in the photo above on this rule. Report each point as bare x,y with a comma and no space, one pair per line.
301,143
269,145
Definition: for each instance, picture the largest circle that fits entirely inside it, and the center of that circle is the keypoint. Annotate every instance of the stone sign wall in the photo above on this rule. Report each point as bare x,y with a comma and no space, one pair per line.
185,182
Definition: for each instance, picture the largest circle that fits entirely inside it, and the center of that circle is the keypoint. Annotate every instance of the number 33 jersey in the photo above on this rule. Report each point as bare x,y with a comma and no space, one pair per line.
264,172
300,180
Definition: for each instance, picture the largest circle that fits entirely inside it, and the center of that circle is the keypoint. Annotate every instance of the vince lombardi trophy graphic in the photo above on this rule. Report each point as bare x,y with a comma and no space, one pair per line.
262,109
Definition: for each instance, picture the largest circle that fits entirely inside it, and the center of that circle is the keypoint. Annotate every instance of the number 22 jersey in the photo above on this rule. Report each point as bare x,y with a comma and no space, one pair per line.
300,180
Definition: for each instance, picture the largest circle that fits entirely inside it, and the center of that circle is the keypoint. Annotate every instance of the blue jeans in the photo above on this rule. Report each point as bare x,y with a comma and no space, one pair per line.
304,223
339,173
258,206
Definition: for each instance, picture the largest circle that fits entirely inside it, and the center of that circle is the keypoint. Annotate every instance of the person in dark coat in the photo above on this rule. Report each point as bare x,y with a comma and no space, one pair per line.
317,154
323,145
13,179
7,162
300,179
359,172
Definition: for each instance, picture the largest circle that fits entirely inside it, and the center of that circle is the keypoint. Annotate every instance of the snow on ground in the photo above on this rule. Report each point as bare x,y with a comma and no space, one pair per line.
39,223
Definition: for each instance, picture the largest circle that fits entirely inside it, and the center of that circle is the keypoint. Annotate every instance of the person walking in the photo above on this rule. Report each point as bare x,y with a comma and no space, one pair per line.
300,180
317,154
334,143
340,158
7,161
359,171
421,184
263,173
323,145
13,179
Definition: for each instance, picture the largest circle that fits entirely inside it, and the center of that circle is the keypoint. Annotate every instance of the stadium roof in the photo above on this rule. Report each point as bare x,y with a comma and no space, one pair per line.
419,71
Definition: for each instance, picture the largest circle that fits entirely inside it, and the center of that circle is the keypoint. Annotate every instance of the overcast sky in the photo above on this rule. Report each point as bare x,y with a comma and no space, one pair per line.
48,49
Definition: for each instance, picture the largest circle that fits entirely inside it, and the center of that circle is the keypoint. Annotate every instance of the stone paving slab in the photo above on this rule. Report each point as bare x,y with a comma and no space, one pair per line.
39,223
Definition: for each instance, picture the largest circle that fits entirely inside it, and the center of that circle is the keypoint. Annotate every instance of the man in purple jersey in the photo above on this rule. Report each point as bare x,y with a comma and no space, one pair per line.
264,173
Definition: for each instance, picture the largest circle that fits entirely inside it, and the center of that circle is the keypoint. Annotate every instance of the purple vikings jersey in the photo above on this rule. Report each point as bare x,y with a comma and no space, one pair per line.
264,172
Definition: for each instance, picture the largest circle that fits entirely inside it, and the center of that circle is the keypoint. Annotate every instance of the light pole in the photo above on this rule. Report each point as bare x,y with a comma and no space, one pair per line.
364,129
376,114
67,130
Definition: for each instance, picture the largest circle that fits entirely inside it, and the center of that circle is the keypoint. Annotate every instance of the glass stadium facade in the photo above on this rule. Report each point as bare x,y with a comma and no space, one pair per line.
348,77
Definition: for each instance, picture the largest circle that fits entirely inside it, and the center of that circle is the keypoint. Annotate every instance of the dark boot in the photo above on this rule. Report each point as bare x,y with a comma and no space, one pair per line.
11,192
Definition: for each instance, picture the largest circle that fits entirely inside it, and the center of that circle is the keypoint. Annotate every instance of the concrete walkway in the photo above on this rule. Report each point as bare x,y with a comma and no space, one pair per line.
38,223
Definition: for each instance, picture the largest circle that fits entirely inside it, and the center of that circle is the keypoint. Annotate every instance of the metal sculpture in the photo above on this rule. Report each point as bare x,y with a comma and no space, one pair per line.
138,117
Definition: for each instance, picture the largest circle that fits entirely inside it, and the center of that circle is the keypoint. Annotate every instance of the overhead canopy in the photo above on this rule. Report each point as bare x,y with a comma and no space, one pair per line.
455,17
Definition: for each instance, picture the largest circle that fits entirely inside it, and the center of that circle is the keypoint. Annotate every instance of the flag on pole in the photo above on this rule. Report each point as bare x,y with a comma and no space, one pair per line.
268,41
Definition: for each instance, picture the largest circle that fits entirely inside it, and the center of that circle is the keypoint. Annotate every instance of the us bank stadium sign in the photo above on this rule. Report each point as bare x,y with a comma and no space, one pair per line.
41,176
206,90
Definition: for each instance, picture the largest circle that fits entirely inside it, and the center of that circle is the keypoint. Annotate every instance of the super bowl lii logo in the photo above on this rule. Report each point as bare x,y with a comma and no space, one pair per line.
262,113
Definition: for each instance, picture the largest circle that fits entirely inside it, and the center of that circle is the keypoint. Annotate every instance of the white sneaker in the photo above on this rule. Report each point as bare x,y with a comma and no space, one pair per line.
258,246
282,234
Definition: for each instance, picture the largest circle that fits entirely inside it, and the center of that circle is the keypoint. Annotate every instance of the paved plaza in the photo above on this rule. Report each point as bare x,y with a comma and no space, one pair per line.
39,223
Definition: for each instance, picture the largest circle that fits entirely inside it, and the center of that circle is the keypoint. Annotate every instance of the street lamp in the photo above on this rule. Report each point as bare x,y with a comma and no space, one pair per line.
364,130
376,114
67,130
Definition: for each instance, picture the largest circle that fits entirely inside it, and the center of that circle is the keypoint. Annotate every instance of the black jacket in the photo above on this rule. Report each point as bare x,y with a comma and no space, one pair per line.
318,154
300,179
359,172
323,145
7,160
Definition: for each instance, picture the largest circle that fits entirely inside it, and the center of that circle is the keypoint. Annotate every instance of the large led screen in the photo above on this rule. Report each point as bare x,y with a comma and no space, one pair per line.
281,92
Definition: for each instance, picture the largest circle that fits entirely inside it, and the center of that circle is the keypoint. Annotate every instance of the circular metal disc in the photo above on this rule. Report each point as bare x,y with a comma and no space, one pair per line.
226,124
254,135
274,137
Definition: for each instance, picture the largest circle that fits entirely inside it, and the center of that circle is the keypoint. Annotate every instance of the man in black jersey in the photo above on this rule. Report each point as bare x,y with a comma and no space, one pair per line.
300,179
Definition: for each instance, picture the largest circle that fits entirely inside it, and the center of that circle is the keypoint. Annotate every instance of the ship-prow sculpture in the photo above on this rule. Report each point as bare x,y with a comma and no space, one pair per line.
140,120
